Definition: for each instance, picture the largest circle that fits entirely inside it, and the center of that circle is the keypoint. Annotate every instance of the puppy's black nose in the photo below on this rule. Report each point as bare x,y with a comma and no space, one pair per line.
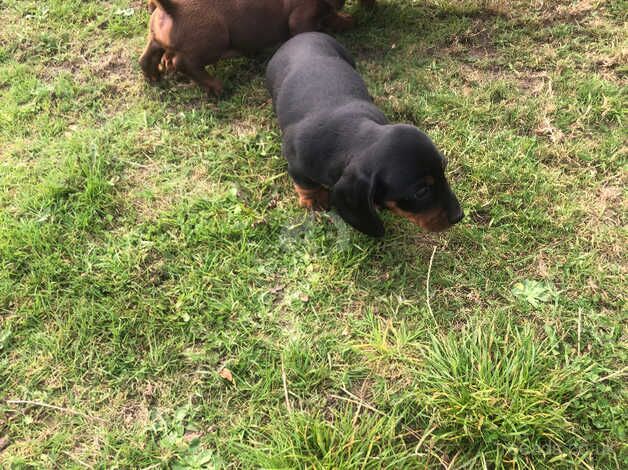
452,208
455,217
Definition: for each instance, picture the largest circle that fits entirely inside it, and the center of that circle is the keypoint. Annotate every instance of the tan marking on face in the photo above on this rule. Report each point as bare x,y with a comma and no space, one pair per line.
433,220
314,199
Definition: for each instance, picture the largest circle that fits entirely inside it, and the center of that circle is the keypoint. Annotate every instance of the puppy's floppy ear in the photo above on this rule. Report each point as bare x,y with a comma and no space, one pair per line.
353,197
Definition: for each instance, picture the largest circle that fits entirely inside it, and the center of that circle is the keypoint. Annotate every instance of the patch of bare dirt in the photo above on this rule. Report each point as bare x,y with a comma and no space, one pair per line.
4,443
246,127
115,64
135,414
604,217
529,82
609,65
567,13
152,190
476,42
607,206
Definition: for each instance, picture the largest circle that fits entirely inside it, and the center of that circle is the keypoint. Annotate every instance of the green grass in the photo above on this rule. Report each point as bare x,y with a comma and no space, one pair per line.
150,238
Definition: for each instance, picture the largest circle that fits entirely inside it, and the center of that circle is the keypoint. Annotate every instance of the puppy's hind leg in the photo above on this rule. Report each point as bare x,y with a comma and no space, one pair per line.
150,60
339,22
307,18
195,69
212,44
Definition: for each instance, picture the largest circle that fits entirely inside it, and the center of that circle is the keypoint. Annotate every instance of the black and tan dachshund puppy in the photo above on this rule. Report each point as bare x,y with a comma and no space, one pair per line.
342,151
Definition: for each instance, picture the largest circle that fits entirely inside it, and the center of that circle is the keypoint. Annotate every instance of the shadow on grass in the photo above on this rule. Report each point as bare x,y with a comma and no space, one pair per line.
391,24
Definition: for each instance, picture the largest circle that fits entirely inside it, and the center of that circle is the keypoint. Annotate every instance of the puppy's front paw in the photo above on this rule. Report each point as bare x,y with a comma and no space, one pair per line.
152,76
167,64
212,86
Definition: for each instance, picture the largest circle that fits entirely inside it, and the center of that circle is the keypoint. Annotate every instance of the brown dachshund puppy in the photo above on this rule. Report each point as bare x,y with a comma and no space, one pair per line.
188,35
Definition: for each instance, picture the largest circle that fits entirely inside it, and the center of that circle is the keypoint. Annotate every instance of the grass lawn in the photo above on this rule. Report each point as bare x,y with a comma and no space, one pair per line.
164,302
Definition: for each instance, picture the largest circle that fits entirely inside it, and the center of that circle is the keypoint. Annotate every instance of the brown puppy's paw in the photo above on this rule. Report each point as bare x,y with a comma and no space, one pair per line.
314,199
152,76
150,60
339,22
167,63
212,86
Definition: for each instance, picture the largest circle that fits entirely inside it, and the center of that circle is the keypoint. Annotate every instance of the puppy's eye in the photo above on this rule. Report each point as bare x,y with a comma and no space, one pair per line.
421,193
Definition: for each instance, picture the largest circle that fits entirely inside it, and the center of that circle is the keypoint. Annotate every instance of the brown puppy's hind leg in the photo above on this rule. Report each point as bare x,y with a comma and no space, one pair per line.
150,60
212,44
316,199
306,18
196,71
339,22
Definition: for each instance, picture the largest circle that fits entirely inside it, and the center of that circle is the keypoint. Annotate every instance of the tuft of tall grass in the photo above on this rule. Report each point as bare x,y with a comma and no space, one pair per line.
343,440
498,397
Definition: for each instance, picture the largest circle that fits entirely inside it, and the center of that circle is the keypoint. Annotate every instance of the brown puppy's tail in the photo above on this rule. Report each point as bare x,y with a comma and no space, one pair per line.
166,5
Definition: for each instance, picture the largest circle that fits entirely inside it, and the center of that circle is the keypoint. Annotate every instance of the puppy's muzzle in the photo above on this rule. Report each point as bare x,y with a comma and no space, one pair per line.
433,220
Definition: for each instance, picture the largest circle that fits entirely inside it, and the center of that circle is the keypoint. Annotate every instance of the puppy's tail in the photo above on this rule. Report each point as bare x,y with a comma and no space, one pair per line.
166,5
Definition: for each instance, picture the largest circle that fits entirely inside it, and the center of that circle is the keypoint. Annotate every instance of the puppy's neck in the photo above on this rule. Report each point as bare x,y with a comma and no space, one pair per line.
366,133
365,139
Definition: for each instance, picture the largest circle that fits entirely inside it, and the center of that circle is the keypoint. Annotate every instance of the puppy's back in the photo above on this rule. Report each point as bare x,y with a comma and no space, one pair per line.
311,72
300,50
